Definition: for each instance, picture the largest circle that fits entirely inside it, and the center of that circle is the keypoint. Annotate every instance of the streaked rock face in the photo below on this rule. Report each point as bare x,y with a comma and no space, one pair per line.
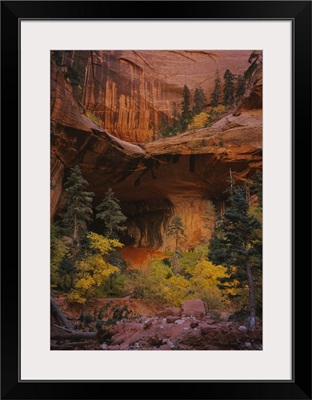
130,91
167,176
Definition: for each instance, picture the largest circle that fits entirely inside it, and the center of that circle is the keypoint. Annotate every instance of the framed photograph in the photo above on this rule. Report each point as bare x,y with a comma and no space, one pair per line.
158,216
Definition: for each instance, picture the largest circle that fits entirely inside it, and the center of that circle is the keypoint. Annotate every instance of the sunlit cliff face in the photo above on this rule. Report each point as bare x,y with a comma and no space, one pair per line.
131,91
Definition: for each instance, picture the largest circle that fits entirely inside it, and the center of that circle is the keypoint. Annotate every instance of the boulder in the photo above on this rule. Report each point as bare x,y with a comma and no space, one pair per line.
148,324
207,328
194,307
179,321
171,319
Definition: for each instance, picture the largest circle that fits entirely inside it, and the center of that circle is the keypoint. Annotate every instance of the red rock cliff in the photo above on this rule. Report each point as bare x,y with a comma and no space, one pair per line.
177,174
130,91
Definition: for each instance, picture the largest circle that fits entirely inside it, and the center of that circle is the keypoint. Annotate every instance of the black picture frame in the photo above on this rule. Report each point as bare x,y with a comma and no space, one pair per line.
297,11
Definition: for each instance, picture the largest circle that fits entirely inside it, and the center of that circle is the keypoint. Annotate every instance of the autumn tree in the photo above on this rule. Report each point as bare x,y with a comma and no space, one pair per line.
110,213
78,206
235,244
216,94
93,269
205,283
199,100
186,114
199,121
176,229
228,89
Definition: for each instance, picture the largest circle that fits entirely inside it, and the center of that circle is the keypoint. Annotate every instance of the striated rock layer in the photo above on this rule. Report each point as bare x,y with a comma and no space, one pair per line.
167,176
131,91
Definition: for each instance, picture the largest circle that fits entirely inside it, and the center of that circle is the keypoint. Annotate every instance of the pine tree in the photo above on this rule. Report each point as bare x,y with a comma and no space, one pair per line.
78,206
67,268
240,87
176,229
175,118
186,115
110,213
216,94
210,215
235,243
199,100
228,90
256,187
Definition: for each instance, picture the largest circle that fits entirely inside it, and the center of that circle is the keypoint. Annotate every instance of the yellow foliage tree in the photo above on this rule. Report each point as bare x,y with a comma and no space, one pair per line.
158,284
94,269
220,109
199,121
205,281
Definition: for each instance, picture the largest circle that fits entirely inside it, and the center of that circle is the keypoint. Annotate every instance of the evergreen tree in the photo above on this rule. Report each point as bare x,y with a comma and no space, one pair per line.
110,213
175,117
67,268
186,115
165,128
176,229
235,243
256,187
210,215
216,94
240,87
78,206
228,90
199,100
57,56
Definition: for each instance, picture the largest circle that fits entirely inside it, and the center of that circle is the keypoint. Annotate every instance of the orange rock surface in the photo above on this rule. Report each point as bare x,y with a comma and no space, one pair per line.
130,91
167,176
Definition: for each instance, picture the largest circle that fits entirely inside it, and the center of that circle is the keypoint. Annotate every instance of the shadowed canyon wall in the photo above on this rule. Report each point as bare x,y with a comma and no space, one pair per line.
164,177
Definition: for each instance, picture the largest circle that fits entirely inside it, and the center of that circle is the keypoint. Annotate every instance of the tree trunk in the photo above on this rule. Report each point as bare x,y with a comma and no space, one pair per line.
75,336
75,228
59,315
252,303
71,345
